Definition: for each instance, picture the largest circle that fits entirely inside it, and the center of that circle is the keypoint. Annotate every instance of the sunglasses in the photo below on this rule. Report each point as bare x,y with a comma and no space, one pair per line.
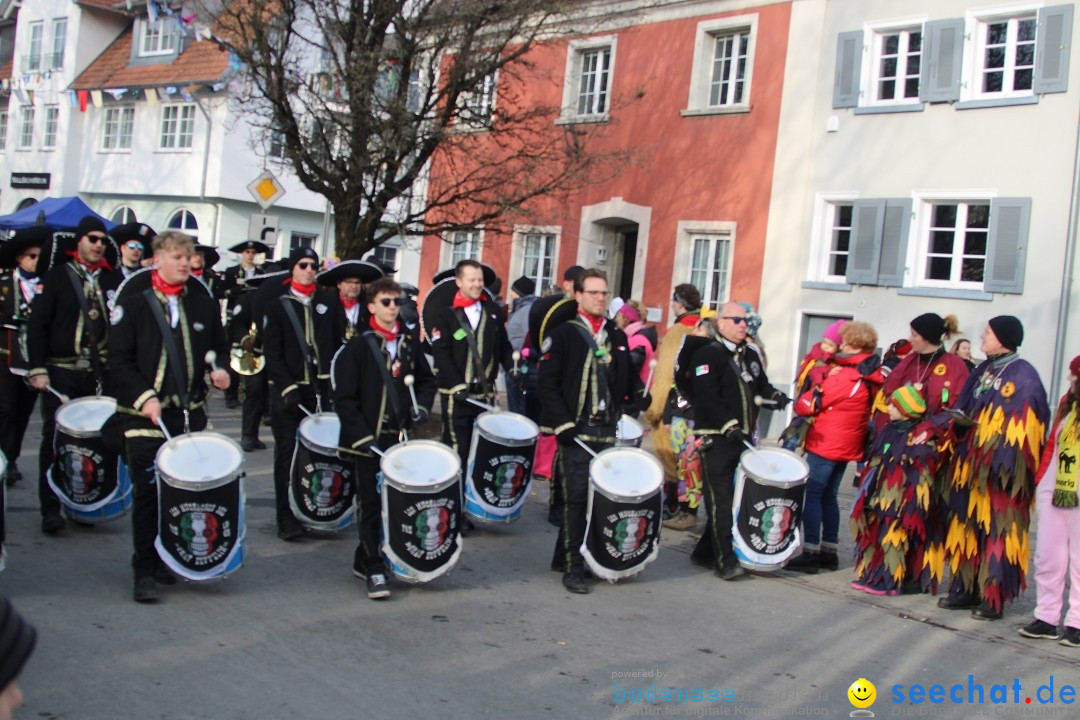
737,319
32,256
387,302
134,246
95,239
305,265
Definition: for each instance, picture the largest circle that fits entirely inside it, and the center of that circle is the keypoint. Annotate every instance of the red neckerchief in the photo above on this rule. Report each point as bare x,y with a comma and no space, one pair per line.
299,289
349,304
460,301
197,273
689,319
101,264
390,335
595,322
163,287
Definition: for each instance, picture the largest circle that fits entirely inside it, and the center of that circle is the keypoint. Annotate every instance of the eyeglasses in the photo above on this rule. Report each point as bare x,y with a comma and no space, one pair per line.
596,293
737,319
305,265
134,246
95,239
387,302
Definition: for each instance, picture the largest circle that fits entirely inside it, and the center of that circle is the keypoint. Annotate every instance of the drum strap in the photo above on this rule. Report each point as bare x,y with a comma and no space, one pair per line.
391,393
601,369
470,337
84,306
309,356
172,353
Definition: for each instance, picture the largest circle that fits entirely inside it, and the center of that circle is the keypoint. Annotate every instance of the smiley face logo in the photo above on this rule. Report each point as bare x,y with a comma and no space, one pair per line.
862,693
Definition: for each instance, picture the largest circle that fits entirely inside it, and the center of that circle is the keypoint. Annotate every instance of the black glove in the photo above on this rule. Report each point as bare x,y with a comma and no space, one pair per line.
291,400
736,435
420,416
643,403
566,437
517,379
781,400
460,396
365,447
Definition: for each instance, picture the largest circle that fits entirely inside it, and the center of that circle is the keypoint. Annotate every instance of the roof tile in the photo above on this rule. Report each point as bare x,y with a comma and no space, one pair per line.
201,62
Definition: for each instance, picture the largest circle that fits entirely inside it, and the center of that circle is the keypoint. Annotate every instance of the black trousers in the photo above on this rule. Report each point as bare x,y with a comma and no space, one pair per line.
368,557
719,463
142,439
572,475
74,384
234,384
283,425
16,404
254,404
458,418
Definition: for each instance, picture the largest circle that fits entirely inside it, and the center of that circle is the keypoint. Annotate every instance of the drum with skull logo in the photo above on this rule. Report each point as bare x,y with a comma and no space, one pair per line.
499,478
767,507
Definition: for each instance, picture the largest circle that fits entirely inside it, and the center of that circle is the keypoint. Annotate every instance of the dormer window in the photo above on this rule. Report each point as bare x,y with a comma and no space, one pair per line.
158,37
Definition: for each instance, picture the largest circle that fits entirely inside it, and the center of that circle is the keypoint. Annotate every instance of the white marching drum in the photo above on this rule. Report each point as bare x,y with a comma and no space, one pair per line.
499,476
629,432
322,487
624,513
89,480
767,507
3,513
421,509
200,505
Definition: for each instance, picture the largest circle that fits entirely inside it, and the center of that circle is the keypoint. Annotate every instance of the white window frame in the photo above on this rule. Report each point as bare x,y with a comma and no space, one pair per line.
51,127
123,215
185,215
701,72
381,253
157,38
517,251
36,44
575,53
449,248
918,241
687,231
477,108
57,54
115,142
871,69
4,117
26,128
975,46
171,131
822,225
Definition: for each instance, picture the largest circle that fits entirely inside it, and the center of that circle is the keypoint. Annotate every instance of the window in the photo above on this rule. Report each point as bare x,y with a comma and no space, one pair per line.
385,254
177,123
1005,56
538,259
710,267
897,65
277,144
587,85
839,241
123,215
302,240
52,122
33,56
723,59
729,69
478,105
465,245
55,61
119,122
158,38
185,221
956,244
26,128
3,129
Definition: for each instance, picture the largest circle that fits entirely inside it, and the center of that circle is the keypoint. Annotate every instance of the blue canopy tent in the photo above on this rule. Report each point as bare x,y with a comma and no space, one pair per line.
58,213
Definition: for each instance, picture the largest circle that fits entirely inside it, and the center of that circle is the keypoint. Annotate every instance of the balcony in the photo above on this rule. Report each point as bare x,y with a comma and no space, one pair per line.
30,63
53,61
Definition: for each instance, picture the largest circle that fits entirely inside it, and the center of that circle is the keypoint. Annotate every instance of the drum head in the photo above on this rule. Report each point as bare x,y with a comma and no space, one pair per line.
85,415
626,472
508,426
321,430
774,466
420,463
199,461
629,428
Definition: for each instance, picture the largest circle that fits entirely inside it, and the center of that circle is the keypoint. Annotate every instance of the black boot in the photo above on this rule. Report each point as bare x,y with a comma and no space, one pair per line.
828,560
809,562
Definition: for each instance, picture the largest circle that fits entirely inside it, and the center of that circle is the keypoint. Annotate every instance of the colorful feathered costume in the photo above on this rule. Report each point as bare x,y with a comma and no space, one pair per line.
991,481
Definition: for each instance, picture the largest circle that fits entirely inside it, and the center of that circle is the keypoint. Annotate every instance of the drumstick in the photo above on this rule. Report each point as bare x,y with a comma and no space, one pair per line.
648,381
605,462
751,448
516,355
759,401
490,408
165,430
305,410
382,454
409,380
63,398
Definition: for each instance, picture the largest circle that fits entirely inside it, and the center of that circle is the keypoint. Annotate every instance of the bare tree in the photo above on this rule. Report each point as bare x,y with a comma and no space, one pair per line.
360,96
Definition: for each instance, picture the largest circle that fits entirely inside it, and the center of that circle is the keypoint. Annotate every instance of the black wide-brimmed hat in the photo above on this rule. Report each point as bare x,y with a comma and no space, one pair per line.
547,313
22,241
134,231
209,253
364,270
439,297
489,275
256,245
684,372
58,249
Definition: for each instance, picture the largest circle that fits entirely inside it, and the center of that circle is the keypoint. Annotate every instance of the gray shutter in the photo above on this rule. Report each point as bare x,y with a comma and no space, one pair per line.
943,45
894,240
1006,248
867,219
849,50
1052,49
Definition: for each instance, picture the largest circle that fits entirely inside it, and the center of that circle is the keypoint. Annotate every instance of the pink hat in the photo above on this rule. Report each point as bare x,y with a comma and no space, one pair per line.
833,331
628,312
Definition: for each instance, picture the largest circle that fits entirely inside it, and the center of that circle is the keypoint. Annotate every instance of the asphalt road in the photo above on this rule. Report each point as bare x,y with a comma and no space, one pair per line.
292,634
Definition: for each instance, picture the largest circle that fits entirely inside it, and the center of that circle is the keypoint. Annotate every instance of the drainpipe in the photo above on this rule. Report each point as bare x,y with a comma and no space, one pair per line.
1067,276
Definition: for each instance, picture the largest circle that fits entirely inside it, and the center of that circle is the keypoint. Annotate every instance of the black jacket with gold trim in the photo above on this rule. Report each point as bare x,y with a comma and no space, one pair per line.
360,394
138,362
453,357
231,285
15,317
724,382
286,358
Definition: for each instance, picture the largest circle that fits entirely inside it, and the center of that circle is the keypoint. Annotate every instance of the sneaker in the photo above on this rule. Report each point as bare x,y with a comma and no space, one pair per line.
730,572
1071,637
377,587
53,523
145,589
252,444
808,563
290,530
12,475
682,521
574,581
1039,630
877,590
828,561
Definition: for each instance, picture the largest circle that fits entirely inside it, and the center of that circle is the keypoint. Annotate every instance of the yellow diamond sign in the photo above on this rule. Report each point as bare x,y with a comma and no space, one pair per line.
266,189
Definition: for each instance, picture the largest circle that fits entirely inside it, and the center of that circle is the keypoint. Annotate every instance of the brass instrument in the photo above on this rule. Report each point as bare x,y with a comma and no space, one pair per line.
246,358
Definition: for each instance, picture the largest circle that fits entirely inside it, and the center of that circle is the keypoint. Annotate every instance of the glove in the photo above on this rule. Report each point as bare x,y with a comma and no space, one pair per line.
737,436
365,447
291,400
643,403
460,396
781,400
517,379
566,437
420,416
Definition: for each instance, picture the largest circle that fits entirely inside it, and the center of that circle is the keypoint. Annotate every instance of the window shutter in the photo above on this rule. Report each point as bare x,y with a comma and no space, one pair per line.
943,45
849,50
867,218
1007,245
1052,49
894,240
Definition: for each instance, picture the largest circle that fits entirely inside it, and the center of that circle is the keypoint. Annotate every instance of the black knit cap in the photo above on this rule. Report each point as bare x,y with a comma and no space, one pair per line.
1009,330
88,224
930,326
302,253
17,639
523,286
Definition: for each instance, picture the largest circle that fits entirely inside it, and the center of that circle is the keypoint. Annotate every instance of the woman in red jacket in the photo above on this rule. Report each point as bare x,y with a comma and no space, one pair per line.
839,403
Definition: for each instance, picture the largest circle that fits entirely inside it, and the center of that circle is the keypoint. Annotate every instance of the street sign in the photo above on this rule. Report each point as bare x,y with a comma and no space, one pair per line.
266,189
264,228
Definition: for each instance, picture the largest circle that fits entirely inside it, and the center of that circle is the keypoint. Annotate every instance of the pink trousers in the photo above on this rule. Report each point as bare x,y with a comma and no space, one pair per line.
1057,555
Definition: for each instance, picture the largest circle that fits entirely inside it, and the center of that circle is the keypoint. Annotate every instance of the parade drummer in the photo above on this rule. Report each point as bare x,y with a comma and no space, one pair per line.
234,282
19,286
293,341
374,407
727,376
68,335
587,381
346,300
133,240
162,329
203,260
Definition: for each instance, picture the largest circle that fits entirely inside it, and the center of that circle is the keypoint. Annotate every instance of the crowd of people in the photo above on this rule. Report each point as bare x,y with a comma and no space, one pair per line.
949,453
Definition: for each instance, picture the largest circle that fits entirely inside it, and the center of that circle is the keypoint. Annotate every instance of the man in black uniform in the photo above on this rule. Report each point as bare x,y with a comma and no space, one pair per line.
133,239
203,260
374,406
245,335
586,383
19,285
67,340
347,312
727,376
234,281
157,385
293,326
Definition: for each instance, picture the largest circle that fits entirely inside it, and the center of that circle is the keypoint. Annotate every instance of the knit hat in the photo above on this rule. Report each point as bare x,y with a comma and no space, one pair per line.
908,401
523,286
628,312
302,253
930,326
833,332
1008,330
88,224
17,638
1074,367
